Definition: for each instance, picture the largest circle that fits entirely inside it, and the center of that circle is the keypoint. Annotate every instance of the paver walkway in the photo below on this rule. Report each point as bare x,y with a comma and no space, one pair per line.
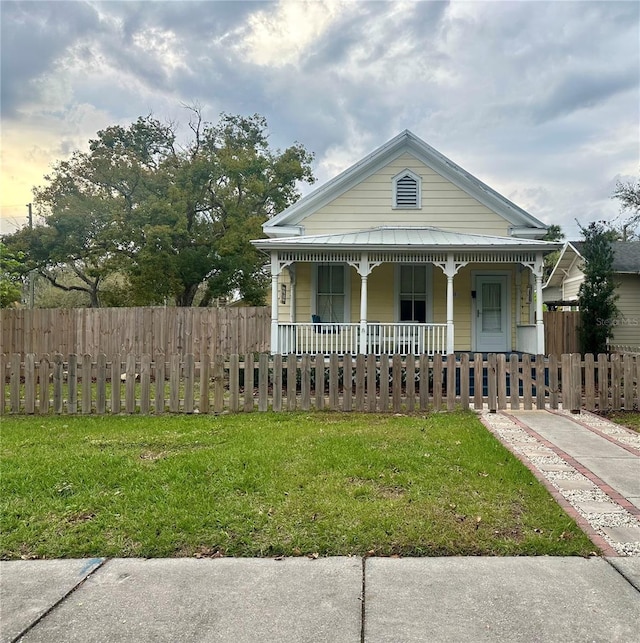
591,466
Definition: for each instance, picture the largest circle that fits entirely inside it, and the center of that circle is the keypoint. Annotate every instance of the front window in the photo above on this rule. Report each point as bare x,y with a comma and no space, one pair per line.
413,294
330,297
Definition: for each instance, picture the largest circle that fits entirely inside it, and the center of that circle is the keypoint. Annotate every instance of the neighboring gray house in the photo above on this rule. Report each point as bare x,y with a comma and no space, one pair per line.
561,289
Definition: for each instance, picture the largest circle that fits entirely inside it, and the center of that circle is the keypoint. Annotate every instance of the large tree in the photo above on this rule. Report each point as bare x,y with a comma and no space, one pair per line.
628,193
597,296
11,276
174,219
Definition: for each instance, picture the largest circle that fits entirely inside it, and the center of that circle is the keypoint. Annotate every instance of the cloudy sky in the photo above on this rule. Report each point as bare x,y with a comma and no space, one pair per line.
538,99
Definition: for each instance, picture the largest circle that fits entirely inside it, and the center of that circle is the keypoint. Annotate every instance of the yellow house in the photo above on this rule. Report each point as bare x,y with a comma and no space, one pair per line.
405,252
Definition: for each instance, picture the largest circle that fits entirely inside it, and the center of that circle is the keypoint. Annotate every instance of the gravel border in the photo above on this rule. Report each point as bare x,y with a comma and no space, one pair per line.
521,443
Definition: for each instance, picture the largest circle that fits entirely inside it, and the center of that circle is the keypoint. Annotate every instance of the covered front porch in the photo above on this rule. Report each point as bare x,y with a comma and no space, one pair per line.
473,285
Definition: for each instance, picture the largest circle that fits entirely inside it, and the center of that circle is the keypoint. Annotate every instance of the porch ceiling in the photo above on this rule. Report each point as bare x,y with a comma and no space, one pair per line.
404,238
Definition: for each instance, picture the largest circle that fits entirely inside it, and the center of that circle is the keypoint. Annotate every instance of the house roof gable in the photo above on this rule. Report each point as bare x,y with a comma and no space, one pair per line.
626,259
522,222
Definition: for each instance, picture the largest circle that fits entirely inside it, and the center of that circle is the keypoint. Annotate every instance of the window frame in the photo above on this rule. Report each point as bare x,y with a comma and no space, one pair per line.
346,291
428,268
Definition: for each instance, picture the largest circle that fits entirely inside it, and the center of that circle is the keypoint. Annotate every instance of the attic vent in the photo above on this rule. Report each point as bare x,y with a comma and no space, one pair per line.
406,190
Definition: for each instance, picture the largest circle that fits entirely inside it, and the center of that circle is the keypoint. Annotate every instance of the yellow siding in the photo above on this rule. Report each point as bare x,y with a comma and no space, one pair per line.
571,283
627,330
369,204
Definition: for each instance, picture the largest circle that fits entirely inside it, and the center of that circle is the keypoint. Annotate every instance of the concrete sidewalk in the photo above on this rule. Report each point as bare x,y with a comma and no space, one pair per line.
331,599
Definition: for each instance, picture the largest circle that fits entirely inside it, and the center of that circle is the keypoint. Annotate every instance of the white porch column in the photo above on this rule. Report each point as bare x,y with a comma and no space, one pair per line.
275,271
537,272
363,313
450,342
450,268
539,313
364,268
292,293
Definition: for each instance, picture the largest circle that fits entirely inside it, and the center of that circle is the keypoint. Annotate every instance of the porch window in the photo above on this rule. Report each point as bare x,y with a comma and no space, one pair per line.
330,293
413,294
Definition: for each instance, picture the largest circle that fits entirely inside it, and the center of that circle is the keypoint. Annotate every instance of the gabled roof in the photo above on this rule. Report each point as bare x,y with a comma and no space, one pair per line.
626,259
522,222
392,237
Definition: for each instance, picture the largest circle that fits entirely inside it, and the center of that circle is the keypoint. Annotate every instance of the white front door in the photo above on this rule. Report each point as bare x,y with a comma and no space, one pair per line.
492,314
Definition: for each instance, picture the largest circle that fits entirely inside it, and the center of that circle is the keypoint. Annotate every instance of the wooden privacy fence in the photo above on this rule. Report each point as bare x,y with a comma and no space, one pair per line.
561,332
152,330
182,384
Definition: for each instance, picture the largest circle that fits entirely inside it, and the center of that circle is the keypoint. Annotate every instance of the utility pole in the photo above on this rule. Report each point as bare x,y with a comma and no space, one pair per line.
32,276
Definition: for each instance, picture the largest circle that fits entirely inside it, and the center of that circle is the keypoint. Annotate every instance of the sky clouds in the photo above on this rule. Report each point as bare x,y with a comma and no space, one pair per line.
538,99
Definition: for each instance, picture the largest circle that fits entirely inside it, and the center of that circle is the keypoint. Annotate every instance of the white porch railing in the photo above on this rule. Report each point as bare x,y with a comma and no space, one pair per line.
402,338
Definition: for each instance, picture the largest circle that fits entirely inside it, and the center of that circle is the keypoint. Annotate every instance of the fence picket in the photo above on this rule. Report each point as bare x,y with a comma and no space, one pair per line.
87,384
115,383
234,383
589,383
492,382
553,382
603,382
159,398
628,363
263,382
334,389
540,382
396,395
305,382
277,383
218,383
423,387
57,383
130,384
437,382
451,382
14,383
29,384
360,382
371,384
248,382
527,399
319,372
347,383
514,382
384,382
43,391
464,381
292,382
576,382
501,373
101,384
203,401
145,383
174,383
478,371
616,382
72,384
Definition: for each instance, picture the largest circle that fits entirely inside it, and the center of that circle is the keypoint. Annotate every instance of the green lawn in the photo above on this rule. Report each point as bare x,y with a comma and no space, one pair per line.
630,419
271,484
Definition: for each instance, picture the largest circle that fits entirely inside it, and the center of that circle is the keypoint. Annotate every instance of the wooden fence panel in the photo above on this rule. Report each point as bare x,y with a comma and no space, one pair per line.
378,383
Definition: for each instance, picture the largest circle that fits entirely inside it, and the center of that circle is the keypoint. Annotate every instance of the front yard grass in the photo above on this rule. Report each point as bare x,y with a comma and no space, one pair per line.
271,484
